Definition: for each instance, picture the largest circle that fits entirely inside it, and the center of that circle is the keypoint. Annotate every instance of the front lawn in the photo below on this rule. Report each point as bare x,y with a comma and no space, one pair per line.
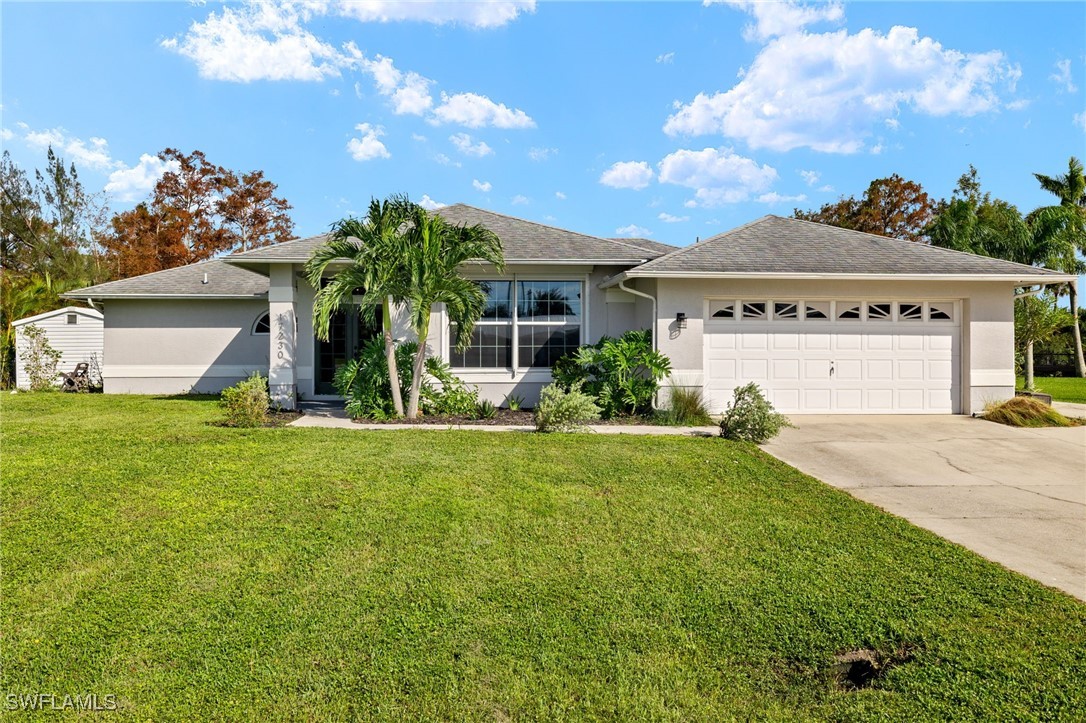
197,571
1062,389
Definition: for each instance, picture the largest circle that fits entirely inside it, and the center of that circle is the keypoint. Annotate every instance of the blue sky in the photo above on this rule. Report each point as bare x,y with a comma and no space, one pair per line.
668,120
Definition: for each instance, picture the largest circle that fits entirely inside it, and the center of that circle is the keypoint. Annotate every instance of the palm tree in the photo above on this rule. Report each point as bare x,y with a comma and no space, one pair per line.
432,252
1062,228
372,246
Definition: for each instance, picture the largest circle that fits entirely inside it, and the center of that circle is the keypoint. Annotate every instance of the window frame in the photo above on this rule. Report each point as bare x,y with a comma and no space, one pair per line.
514,323
256,322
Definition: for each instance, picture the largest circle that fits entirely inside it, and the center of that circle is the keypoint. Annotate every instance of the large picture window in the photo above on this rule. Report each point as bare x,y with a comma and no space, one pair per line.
535,322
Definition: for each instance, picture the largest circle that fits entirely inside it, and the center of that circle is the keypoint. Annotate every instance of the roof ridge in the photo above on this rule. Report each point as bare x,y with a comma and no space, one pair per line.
288,242
543,225
911,244
679,250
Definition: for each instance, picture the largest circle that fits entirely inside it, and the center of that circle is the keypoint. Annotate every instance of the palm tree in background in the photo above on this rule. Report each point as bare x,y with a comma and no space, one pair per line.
1061,230
372,248
431,254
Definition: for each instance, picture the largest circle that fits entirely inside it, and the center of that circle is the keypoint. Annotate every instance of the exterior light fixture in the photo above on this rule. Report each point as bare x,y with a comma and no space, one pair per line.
680,320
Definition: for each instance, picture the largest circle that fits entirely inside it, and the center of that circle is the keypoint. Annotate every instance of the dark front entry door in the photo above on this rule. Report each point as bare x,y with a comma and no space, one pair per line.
348,330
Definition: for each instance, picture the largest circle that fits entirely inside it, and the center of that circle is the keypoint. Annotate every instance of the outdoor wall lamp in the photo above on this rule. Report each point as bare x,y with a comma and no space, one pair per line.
680,320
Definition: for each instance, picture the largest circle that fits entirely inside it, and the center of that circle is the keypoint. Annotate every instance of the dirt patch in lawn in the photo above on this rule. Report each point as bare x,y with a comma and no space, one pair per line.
502,416
862,668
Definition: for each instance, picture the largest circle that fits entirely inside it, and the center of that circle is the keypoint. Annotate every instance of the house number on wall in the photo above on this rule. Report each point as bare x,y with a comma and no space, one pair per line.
281,337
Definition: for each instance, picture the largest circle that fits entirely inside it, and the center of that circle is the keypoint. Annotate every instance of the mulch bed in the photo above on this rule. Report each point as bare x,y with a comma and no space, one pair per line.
281,418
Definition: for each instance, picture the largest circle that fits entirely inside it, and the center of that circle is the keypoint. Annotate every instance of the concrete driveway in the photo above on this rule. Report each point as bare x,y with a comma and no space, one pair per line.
1016,496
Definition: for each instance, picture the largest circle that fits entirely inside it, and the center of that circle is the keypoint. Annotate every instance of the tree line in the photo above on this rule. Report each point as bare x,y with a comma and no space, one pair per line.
56,236
971,220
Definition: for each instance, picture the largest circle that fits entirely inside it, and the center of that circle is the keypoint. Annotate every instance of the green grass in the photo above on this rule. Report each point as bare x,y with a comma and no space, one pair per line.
197,571
1062,389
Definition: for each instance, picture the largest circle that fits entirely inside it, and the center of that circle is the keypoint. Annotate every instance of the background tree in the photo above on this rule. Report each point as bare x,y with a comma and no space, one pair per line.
890,206
1062,230
196,211
974,222
1036,319
50,228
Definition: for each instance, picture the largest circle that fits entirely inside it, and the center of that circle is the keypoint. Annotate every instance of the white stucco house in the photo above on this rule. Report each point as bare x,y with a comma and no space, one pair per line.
824,319
74,331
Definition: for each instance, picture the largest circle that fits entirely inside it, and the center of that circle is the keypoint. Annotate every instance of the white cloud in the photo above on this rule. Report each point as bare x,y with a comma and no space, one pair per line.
774,197
257,41
133,184
717,175
489,14
633,230
430,204
877,149
6,135
668,218
483,186
519,200
826,189
811,177
560,196
826,91
409,92
1079,120
1020,104
368,146
463,143
665,58
478,111
894,124
444,160
418,137
1062,76
628,174
782,17
541,154
93,153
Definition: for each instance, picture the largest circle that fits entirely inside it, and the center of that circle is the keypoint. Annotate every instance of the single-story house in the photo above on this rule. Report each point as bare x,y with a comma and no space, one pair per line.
826,320
74,331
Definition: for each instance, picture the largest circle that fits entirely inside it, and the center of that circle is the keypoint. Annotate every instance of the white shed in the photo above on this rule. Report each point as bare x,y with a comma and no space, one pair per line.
77,333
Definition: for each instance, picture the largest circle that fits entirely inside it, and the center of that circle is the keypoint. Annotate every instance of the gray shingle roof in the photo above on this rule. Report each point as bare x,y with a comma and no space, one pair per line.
656,248
775,245
223,280
522,241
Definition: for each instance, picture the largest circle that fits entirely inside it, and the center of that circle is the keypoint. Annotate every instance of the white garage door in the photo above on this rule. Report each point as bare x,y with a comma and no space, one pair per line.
836,356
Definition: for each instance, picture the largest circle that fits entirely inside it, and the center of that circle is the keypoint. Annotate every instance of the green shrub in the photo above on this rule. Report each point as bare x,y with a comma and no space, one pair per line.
686,407
364,383
622,375
560,410
246,403
485,410
751,418
514,403
1027,412
454,398
40,359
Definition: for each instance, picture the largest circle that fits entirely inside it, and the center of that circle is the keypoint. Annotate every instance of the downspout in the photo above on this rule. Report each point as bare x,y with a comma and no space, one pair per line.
652,328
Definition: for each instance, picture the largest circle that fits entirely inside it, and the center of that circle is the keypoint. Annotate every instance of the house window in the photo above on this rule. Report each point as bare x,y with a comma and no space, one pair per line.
817,310
848,310
910,312
73,318
753,309
546,325
942,311
262,325
785,310
722,309
878,312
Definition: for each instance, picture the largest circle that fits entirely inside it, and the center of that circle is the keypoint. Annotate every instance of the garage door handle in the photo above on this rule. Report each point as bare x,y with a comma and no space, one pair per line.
831,368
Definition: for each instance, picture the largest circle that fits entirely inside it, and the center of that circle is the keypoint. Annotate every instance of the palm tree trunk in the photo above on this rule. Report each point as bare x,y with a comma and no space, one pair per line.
1076,332
420,366
390,355
1029,367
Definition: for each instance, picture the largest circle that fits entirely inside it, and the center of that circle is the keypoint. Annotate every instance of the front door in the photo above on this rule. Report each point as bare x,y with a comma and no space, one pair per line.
348,330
